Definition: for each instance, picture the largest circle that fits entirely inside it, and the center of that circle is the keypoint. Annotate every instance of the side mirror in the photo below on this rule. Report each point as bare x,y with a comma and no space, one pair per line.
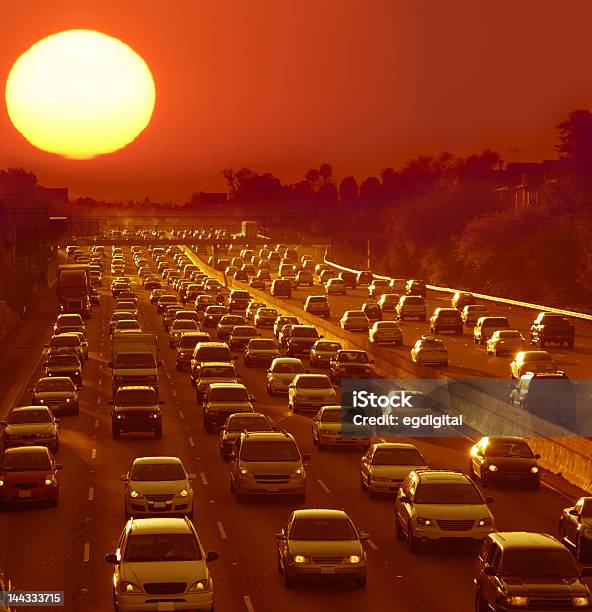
59,466
489,571
405,499
371,361
46,345
306,457
573,512
363,536
31,390
489,500
321,336
252,398
586,571
212,556
537,456
111,558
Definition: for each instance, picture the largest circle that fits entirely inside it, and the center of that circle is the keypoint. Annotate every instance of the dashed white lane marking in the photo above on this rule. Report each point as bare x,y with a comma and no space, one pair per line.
204,480
98,400
91,493
191,442
93,454
100,381
221,530
96,423
181,415
372,545
323,486
248,604
168,375
174,393
86,554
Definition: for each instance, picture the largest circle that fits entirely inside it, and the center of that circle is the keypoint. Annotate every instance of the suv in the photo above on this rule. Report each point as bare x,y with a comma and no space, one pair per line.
317,305
310,392
239,300
281,287
161,558
440,504
265,463
411,307
136,409
446,319
486,326
417,287
302,338
223,399
517,569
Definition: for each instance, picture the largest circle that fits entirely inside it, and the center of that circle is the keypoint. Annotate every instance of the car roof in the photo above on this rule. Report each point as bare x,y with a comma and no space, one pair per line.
526,539
269,435
58,378
211,344
26,449
323,376
29,408
319,513
442,476
227,385
157,460
136,388
216,363
160,525
248,415
395,445
286,360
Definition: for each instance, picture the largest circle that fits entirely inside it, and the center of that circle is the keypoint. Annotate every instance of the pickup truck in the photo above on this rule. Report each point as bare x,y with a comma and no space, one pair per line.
549,327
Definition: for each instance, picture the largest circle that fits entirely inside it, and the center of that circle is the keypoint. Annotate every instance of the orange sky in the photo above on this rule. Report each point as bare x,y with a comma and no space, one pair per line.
284,85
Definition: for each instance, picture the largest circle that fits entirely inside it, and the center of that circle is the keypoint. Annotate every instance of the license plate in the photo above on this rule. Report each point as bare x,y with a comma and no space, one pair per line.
327,570
24,493
159,505
165,605
273,490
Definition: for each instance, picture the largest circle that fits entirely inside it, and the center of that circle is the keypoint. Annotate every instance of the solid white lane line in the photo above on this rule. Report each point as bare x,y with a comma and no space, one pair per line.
96,423
221,530
248,604
204,480
323,486
91,493
181,415
372,545
86,554
191,442
93,454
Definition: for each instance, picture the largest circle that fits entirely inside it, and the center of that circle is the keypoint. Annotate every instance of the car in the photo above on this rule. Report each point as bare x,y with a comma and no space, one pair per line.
95,297
185,347
252,309
69,321
136,409
521,570
398,285
213,315
169,315
160,558
265,317
472,313
377,287
67,343
281,373
221,399
209,352
575,528
213,372
267,463
58,393
354,320
335,286
411,307
326,275
504,341
63,364
322,351
168,299
485,327
386,332
350,363
29,474
282,320
237,423
446,319
238,300
30,425
241,335
504,459
387,303
119,316
180,327
434,505
227,324
321,544
126,325
300,340
532,361
429,350
331,428
187,315
554,328
372,312
155,486
260,351
385,465
349,278
127,305
317,305
364,278
461,299
281,287
310,392
304,277
416,287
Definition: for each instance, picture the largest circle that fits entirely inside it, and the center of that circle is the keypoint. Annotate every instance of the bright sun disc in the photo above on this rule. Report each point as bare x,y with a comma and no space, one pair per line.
80,93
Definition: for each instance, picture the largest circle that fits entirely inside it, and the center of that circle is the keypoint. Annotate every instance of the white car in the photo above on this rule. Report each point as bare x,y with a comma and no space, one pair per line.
532,361
161,559
436,505
429,350
281,373
178,328
157,485
310,392
354,320
126,325
330,427
387,332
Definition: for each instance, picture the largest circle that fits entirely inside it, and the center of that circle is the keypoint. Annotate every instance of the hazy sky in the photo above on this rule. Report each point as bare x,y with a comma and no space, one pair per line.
284,85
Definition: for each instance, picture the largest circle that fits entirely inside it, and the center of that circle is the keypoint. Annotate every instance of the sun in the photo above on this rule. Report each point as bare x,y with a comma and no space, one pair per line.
79,94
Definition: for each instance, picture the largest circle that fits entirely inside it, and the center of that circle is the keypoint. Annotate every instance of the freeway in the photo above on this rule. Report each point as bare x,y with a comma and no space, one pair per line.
63,548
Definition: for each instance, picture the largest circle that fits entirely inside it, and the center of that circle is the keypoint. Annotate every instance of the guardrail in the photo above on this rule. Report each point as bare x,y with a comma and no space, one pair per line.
567,313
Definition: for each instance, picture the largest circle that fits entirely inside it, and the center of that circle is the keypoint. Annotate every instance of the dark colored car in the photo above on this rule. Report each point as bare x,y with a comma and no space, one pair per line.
553,328
350,364
240,336
446,319
136,409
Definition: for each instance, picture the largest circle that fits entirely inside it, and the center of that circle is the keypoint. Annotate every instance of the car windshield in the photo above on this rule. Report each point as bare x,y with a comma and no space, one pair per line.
135,397
587,509
214,353
323,529
230,394
269,450
314,382
328,346
305,332
447,493
267,312
262,345
126,324
53,384
499,448
248,424
397,456
188,342
59,341
232,320
184,324
538,562
331,416
150,547
18,417
355,314
288,368
246,332
134,360
217,372
63,360
508,333
386,325
26,461
157,471
353,356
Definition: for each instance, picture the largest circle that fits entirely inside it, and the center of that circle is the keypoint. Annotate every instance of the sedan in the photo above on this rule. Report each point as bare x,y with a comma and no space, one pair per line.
58,393
505,341
429,350
354,320
386,332
31,426
532,361
260,351
575,528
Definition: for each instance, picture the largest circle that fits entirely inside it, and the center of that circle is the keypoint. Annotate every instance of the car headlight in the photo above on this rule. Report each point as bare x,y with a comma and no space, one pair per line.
41,401
1,482
183,493
67,400
301,559
493,468
352,559
424,522
516,601
297,473
580,601
136,494
129,587
245,473
200,586
49,479
534,469
485,522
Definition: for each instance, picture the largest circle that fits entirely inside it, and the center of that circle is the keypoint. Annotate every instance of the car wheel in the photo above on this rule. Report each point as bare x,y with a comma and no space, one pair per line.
116,433
412,543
